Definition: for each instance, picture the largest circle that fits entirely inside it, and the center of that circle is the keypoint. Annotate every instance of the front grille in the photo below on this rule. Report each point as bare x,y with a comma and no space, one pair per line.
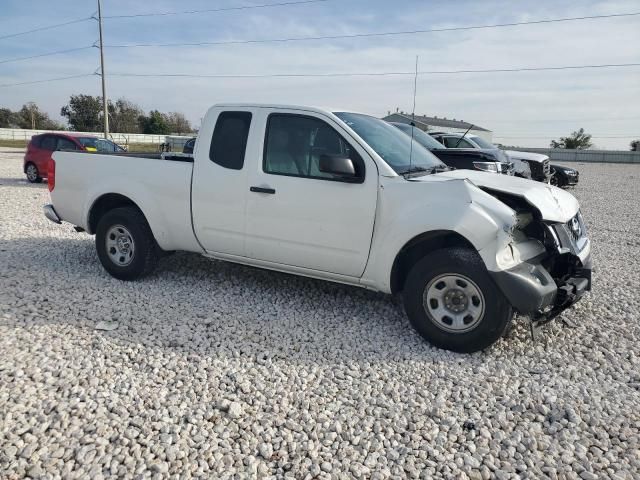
540,171
507,168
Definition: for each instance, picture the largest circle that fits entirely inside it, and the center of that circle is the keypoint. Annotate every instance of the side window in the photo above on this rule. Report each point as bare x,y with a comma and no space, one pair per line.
456,142
66,144
48,142
229,140
295,143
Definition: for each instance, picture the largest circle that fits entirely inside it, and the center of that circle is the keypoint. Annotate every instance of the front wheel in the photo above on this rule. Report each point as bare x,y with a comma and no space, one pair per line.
453,303
556,179
125,244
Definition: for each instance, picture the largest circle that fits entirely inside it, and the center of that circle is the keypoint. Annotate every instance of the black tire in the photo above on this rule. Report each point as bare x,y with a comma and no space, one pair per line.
145,251
557,179
490,326
30,177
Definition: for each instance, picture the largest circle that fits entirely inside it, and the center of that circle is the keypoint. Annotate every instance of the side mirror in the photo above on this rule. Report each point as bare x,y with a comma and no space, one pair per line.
337,165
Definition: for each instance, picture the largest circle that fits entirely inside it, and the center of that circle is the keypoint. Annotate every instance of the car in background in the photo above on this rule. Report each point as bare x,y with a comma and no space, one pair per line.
40,148
466,159
188,145
530,165
564,176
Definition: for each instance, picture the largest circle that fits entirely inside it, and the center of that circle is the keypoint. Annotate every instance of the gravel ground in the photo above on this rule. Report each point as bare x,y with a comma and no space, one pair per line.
209,369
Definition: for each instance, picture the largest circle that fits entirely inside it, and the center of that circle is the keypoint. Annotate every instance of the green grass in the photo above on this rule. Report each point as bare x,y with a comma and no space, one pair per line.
13,143
144,147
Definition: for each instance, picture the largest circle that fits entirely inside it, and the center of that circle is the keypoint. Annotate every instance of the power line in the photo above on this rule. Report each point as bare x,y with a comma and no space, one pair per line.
276,40
46,80
372,74
553,136
48,27
57,52
210,10
374,34
333,74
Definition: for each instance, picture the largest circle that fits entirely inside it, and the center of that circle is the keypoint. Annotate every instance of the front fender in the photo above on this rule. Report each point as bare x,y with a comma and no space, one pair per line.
408,209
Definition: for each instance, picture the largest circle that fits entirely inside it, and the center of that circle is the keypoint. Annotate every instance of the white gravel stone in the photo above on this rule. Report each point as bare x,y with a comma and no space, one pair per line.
235,410
223,371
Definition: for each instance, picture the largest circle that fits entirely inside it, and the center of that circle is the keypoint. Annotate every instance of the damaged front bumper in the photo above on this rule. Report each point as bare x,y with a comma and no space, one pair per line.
545,286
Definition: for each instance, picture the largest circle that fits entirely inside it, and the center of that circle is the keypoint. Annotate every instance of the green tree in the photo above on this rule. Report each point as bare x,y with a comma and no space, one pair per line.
31,117
155,123
124,116
635,145
84,113
6,118
178,123
576,141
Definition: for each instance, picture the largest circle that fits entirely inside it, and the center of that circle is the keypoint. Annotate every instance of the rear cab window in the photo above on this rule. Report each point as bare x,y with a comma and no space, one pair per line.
229,140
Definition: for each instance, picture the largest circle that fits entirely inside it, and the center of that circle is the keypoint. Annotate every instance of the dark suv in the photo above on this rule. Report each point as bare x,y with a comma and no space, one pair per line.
529,165
462,158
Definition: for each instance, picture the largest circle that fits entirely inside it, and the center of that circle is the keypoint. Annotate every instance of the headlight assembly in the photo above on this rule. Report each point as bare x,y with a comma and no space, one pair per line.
486,166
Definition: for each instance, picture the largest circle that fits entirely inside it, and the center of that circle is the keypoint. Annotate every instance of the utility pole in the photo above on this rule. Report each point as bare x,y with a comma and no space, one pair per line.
104,88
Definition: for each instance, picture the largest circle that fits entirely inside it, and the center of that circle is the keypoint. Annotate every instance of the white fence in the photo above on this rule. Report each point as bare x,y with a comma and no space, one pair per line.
597,156
119,138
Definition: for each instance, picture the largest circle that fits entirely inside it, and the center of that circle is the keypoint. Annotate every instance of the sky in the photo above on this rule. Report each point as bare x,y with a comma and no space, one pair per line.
521,108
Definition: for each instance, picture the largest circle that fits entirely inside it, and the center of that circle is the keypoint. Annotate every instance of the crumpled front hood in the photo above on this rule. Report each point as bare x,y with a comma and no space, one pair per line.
529,156
554,204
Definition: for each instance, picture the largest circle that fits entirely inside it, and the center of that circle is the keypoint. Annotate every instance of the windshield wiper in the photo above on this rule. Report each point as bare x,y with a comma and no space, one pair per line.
422,170
413,169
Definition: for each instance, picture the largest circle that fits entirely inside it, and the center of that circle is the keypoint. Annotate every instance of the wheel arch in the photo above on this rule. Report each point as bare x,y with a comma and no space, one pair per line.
105,203
418,247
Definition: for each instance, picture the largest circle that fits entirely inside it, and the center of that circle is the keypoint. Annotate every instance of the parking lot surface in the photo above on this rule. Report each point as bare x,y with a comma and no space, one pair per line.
210,369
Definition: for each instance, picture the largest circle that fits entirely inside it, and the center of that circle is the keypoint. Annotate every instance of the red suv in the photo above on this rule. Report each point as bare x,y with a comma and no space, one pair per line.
40,148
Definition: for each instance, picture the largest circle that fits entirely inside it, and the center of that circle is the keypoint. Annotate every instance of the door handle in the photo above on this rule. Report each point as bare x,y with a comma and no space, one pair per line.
263,190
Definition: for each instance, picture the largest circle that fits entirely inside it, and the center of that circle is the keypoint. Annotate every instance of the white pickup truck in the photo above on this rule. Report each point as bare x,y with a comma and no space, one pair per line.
343,197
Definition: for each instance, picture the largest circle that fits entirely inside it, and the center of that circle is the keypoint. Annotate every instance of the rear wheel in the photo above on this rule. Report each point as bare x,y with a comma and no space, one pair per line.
125,244
453,303
33,176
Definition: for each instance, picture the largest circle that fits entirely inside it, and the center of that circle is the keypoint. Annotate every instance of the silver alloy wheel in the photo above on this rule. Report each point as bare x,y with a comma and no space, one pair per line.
453,302
120,245
32,172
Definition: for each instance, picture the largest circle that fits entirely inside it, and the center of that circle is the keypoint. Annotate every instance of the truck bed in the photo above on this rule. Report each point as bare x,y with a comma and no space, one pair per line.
159,184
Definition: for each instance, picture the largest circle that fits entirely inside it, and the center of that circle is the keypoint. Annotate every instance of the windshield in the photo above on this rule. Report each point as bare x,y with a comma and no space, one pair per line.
426,140
395,147
482,143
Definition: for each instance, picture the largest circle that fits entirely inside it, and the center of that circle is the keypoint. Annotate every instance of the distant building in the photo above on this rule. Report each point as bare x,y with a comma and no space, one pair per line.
435,124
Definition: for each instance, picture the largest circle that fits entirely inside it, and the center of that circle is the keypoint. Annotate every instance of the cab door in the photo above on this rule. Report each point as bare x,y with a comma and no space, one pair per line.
300,216
219,184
